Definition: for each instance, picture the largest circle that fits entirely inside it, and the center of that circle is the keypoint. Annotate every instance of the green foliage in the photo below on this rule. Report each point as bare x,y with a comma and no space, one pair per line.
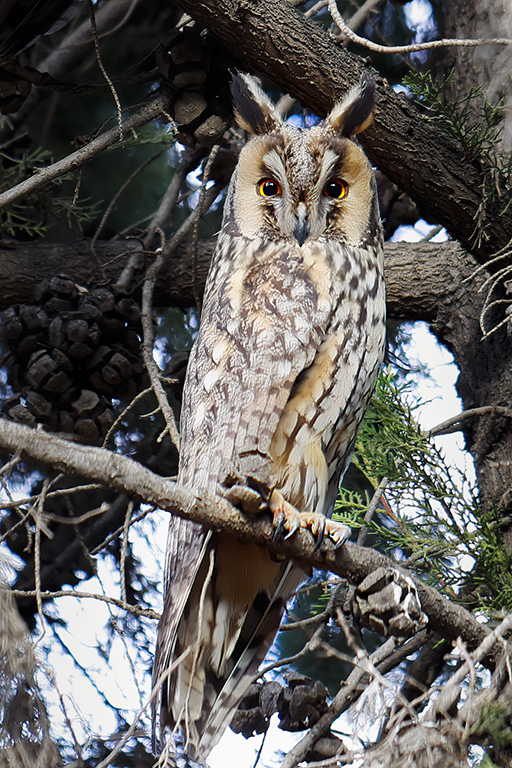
470,118
148,134
31,216
493,724
430,515
487,763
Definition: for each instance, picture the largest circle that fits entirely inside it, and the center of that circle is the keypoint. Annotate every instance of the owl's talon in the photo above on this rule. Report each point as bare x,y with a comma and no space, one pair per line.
338,533
320,534
284,517
322,528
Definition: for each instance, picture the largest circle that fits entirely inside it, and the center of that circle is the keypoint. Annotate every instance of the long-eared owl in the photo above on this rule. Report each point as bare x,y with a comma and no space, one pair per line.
290,344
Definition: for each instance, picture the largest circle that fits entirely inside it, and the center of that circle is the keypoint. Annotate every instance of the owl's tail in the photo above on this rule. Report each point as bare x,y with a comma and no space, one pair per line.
228,624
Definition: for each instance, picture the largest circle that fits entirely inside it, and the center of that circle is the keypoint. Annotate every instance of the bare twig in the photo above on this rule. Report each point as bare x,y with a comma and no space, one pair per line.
104,72
124,550
143,709
340,22
115,534
452,688
147,312
201,207
75,160
136,610
360,15
53,494
168,201
40,525
453,424
123,414
345,696
116,197
374,503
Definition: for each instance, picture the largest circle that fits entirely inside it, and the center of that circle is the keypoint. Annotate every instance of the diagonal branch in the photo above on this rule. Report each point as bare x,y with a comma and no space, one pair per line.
128,476
148,112
276,39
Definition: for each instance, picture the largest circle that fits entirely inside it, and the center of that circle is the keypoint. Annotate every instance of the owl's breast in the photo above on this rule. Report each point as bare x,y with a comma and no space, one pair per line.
314,438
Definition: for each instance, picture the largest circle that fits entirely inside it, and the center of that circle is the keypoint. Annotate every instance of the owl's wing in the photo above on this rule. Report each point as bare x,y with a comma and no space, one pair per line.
264,319
186,546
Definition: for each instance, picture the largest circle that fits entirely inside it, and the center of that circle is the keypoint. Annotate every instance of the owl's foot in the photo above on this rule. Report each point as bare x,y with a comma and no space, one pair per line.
288,520
250,501
324,528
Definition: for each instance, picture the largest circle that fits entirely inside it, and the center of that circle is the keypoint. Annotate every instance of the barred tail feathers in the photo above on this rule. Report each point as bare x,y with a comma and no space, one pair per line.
257,635
230,619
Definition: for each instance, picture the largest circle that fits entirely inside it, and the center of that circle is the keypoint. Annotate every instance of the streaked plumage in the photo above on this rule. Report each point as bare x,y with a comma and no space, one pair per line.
290,345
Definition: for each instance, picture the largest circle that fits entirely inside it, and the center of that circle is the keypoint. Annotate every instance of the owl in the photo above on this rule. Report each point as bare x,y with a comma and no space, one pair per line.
290,344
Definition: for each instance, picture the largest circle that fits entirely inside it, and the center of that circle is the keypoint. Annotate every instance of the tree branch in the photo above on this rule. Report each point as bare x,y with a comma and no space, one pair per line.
148,112
417,274
128,476
347,32
276,39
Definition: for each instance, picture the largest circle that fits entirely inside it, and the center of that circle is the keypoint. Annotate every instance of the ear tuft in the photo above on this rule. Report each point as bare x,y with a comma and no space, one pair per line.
355,113
254,112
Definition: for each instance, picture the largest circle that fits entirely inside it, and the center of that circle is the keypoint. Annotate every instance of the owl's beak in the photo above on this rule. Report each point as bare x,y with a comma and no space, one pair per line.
301,228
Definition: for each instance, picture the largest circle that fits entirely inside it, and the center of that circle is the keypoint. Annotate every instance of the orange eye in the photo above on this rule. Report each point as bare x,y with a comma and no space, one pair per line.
269,188
337,189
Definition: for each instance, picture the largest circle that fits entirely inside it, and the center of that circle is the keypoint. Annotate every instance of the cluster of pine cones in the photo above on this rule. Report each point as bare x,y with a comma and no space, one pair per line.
196,67
299,705
70,356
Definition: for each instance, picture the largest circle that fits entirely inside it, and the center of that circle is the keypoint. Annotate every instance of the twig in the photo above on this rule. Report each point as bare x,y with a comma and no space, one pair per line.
309,646
311,621
168,201
76,159
198,644
316,8
453,685
116,197
433,232
53,494
115,534
341,701
38,518
110,84
450,425
374,503
360,15
338,19
147,313
148,613
5,470
200,208
124,549
154,693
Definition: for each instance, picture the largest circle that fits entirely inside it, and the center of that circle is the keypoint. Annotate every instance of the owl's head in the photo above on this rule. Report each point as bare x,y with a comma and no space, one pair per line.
300,184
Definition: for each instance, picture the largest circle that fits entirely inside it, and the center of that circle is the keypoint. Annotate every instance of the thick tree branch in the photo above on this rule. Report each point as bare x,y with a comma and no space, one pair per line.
130,477
274,38
417,274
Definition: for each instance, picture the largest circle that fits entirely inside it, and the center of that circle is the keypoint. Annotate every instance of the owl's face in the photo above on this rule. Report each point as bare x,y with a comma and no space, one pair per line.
301,185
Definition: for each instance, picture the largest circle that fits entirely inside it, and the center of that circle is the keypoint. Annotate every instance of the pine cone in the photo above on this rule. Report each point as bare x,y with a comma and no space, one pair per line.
196,68
387,602
71,355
